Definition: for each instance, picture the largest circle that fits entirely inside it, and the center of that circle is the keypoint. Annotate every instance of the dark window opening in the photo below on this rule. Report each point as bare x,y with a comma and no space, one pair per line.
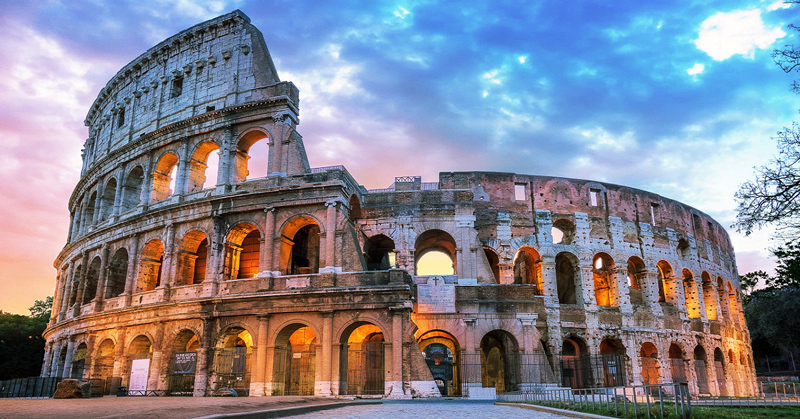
121,117
177,88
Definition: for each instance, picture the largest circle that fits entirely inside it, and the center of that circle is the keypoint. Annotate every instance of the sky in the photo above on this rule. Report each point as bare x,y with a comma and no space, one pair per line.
679,98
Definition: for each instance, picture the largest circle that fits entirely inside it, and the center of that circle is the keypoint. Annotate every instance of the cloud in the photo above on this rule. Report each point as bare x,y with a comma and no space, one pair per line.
741,32
696,69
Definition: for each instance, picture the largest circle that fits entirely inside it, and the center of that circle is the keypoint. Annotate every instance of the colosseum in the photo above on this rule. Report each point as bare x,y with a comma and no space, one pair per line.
184,274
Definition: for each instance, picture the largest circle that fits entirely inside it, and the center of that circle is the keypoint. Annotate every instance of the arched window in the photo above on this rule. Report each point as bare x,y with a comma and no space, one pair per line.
204,166
528,268
605,282
132,189
722,294
251,157
666,283
150,266
89,210
379,253
494,262
435,253
733,304
107,200
117,273
637,274
242,252
164,176
192,258
566,275
92,276
709,296
690,295
300,246
563,231
355,208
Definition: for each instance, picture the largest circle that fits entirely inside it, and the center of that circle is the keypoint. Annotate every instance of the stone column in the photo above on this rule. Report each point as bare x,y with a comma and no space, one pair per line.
56,354
257,385
623,295
470,351
167,278
68,359
330,237
101,280
154,381
82,288
465,264
130,276
324,385
119,193
396,379
120,360
265,261
204,354
182,183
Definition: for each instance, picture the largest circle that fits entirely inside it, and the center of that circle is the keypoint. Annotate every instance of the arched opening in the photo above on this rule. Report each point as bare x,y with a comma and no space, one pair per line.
92,276
612,358
499,364
719,369
733,304
294,361
204,166
637,274
150,266
79,362
441,352
666,283
683,248
232,361
575,363
104,365
651,368
700,369
494,262
355,208
435,254
709,297
723,299
528,268
61,361
183,363
164,176
140,352
300,246
252,153
563,231
566,278
89,210
605,282
677,364
107,200
132,189
192,258
73,293
690,295
379,253
362,360
117,273
242,252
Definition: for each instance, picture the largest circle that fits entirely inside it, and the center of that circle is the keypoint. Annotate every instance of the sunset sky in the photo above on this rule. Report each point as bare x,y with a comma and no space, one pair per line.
675,97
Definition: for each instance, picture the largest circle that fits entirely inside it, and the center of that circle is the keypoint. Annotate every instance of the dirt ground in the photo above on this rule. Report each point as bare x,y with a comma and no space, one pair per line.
149,407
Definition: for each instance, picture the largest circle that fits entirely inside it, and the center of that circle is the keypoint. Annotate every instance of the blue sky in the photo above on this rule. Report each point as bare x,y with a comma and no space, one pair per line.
679,98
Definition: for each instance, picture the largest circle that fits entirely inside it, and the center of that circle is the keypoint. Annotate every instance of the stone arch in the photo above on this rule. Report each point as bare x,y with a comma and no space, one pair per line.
192,258
563,231
355,208
667,292
709,296
73,293
494,262
677,365
720,370
107,199
722,295
294,361
733,304
701,370
103,361
89,210
199,163
242,251
181,367
79,361
612,359
379,253
138,371
132,189
567,275
242,165
232,360
528,268
691,298
300,245
442,355
499,361
431,241
651,367
163,175
637,275
575,363
683,248
150,262
117,273
362,359
604,277
92,278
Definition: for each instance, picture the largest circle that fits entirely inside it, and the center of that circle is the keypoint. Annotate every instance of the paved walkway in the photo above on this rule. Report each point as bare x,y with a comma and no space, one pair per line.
425,409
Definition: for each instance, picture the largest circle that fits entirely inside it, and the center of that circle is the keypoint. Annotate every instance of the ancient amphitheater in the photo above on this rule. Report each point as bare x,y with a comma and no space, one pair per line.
175,279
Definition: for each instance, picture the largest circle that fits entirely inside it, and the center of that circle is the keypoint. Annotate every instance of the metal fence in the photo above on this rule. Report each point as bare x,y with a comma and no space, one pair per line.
648,401
30,387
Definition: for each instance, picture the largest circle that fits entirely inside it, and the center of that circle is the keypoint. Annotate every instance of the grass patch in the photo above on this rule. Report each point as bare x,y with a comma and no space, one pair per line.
745,412
698,412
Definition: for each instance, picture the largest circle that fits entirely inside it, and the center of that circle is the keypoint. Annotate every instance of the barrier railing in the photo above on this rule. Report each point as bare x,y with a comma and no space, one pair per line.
649,401
30,387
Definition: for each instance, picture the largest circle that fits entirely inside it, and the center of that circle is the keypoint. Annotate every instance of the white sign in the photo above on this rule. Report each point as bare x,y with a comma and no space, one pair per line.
436,296
139,370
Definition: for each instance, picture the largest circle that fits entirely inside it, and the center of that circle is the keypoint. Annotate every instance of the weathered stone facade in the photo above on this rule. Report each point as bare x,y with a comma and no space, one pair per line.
304,282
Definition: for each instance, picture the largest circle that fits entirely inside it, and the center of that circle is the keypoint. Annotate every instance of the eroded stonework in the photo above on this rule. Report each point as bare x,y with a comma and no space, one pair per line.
305,282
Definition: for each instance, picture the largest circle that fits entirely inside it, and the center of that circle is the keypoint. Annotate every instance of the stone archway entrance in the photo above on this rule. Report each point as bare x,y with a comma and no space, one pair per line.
232,361
500,362
362,361
442,356
294,362
183,363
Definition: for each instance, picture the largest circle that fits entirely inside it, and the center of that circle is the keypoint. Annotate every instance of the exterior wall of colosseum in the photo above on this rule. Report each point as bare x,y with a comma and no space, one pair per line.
304,282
